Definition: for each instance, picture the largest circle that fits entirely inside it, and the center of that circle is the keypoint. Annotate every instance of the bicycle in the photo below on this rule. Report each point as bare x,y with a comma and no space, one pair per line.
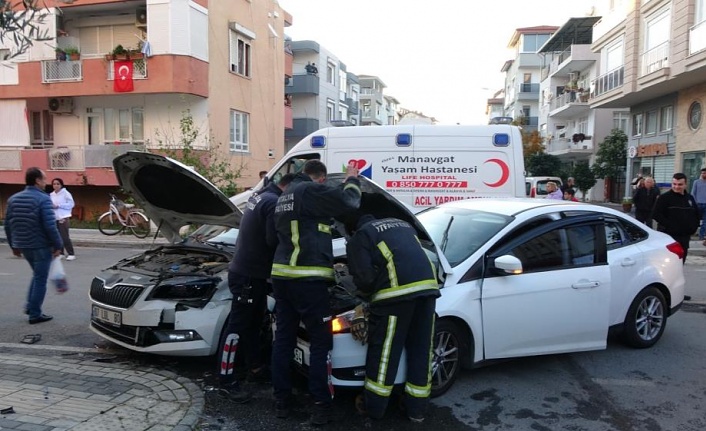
121,216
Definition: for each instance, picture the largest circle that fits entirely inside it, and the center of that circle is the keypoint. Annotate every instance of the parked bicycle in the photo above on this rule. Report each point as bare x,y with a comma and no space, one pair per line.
121,216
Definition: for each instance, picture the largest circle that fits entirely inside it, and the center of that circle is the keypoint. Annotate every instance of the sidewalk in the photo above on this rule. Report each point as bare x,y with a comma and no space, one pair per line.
57,393
93,238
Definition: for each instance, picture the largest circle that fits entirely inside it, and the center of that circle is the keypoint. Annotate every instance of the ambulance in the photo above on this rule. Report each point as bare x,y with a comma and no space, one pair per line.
420,165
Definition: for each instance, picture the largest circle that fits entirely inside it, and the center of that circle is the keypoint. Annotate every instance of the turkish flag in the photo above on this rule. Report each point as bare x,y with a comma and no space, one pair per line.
122,76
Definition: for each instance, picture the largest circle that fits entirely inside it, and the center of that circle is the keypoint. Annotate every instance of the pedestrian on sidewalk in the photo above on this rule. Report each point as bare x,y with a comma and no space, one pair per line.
553,191
248,275
677,213
644,199
31,232
698,190
63,203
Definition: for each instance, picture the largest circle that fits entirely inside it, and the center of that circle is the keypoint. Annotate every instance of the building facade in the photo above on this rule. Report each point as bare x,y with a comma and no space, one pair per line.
221,63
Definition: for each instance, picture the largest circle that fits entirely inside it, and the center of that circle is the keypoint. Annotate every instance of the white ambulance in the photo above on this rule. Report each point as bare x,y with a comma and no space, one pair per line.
420,165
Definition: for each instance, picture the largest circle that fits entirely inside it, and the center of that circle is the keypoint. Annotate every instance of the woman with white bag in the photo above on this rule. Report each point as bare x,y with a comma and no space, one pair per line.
63,204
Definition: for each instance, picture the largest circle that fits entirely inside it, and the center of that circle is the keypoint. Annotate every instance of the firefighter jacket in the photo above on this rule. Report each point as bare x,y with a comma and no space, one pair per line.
303,218
257,237
388,262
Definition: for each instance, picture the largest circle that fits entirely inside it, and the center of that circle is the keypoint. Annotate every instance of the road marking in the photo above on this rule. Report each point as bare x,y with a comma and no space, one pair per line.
7,273
623,382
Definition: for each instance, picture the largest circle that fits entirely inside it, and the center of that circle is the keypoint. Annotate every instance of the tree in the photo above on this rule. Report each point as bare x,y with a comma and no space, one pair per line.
611,155
208,162
583,178
21,25
543,164
532,143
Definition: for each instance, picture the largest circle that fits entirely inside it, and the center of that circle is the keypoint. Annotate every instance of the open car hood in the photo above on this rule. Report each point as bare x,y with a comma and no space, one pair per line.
381,204
172,194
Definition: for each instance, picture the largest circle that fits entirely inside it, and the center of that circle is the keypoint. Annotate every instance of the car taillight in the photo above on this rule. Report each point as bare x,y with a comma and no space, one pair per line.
677,249
533,192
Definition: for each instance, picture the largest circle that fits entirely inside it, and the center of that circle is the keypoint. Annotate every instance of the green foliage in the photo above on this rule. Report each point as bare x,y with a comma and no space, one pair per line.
584,178
611,156
119,50
20,28
543,164
71,50
210,164
532,143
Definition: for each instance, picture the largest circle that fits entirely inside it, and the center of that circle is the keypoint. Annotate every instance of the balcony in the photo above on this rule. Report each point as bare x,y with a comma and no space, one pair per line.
569,104
609,81
303,84
352,106
572,59
655,59
566,146
528,91
697,38
62,71
302,127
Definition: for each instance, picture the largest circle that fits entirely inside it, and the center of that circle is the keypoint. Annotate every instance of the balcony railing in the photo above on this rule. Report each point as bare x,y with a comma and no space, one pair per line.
697,37
59,71
529,88
655,59
139,69
569,97
608,81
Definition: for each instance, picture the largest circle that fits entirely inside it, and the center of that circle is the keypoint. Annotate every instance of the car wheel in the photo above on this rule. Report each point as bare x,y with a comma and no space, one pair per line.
646,319
448,351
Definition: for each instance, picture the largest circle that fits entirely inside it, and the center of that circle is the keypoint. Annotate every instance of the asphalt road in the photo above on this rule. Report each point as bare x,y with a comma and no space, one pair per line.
662,388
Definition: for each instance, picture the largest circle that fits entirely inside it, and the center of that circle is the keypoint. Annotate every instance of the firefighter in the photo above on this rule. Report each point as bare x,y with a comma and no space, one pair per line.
393,273
247,280
301,276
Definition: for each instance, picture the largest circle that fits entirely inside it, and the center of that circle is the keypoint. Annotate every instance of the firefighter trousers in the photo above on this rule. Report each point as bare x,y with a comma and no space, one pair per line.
407,325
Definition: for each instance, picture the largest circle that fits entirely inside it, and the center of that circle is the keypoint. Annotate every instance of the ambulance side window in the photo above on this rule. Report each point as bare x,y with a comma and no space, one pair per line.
294,165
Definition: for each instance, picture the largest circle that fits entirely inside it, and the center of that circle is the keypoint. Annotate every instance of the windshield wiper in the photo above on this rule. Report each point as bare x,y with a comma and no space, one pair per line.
445,238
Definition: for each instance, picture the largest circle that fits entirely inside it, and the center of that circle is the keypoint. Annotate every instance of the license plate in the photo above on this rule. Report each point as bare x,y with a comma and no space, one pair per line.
107,316
298,356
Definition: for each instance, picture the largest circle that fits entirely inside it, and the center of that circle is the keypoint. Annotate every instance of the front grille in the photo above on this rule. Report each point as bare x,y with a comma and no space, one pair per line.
126,334
120,295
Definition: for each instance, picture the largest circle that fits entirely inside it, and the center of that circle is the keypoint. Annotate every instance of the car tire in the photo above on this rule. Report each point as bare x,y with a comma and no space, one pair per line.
448,353
646,319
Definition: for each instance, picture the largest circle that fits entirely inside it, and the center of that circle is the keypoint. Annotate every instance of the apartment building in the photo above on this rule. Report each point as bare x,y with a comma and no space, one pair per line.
522,75
495,106
322,91
653,61
222,62
571,129
372,101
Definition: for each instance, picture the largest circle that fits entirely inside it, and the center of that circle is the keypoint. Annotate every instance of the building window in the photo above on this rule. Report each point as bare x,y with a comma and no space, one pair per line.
665,119
240,53
331,73
122,125
614,56
532,42
694,115
637,125
700,11
366,109
239,131
651,122
41,128
620,121
330,110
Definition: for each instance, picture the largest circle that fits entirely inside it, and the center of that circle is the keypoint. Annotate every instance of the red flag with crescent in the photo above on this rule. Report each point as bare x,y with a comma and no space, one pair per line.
122,76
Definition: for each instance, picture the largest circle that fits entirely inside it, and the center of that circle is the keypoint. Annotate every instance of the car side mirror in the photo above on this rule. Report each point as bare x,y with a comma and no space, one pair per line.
507,264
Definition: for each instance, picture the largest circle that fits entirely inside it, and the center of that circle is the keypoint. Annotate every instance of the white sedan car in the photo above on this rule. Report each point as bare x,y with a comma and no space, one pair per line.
523,277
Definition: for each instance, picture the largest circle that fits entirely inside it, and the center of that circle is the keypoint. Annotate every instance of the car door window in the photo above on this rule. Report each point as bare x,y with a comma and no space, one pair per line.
542,252
613,236
582,244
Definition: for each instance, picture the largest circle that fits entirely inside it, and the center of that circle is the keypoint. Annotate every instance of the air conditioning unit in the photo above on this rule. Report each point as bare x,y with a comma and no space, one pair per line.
141,17
61,105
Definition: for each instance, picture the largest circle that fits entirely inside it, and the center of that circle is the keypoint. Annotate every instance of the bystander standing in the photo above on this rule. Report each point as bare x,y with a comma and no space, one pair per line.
676,212
63,203
644,200
698,190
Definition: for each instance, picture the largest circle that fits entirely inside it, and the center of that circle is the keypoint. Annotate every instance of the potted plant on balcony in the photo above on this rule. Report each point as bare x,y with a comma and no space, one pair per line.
60,54
136,53
72,53
119,53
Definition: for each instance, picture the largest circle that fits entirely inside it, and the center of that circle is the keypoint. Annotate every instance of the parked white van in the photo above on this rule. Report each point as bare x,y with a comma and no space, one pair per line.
536,187
420,165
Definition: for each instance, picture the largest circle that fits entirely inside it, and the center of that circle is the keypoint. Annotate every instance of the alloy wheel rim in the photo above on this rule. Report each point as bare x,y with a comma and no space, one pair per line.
445,360
650,318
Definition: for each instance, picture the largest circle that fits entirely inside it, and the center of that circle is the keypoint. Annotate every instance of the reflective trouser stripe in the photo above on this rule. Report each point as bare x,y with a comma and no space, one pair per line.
378,389
431,347
324,228
406,289
287,271
378,386
294,226
391,270
417,391
230,346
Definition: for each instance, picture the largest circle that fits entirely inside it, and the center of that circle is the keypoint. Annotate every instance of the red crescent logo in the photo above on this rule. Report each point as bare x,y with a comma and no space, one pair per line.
505,175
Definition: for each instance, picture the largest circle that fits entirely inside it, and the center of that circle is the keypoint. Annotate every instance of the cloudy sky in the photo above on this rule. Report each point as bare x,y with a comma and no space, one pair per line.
440,57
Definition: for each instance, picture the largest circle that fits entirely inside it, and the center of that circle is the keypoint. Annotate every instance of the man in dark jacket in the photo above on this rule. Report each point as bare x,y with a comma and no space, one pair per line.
301,276
247,280
677,213
30,227
391,269
644,199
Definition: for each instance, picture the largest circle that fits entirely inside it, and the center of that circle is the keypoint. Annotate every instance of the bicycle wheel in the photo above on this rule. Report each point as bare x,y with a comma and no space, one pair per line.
139,224
108,224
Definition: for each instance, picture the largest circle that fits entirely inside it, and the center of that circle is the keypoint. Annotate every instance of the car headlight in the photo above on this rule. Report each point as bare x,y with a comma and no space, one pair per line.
341,324
186,288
